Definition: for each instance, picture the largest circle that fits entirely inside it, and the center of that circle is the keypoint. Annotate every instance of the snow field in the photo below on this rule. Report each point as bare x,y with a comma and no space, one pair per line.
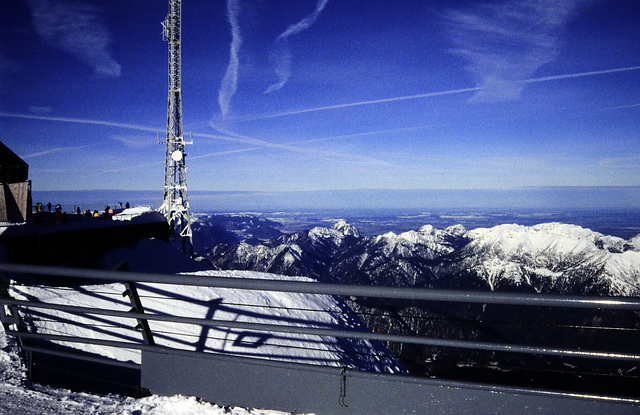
301,310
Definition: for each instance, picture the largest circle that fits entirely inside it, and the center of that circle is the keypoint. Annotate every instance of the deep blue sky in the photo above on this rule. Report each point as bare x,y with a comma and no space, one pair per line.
329,94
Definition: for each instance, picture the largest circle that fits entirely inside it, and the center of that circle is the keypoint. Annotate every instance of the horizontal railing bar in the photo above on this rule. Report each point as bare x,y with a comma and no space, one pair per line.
312,287
76,339
331,332
93,359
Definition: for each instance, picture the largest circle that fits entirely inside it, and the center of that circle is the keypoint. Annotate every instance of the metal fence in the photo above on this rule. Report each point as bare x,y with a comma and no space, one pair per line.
170,370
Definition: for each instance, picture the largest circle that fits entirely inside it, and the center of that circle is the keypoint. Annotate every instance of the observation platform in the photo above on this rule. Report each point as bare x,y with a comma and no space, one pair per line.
76,240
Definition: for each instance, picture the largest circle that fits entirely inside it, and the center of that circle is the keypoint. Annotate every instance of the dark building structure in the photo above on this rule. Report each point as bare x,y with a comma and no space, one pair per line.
15,187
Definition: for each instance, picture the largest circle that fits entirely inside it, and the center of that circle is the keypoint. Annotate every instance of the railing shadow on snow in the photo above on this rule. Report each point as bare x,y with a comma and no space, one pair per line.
234,331
223,329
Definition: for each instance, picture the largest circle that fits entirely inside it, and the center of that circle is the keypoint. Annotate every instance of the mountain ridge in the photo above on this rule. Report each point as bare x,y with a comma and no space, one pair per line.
548,257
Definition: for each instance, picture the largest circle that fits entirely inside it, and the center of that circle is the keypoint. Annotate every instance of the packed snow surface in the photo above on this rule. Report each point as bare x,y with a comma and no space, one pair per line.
295,309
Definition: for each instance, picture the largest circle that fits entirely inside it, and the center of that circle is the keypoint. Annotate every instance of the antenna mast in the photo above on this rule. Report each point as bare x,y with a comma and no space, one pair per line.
175,205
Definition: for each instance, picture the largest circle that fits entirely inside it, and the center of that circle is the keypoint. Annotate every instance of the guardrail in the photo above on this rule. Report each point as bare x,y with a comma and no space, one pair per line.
163,357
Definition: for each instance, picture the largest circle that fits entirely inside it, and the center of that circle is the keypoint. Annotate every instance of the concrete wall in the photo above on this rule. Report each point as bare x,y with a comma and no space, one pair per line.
297,388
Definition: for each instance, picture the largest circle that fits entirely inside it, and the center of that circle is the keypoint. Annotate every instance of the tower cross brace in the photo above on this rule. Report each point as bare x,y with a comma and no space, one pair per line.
175,205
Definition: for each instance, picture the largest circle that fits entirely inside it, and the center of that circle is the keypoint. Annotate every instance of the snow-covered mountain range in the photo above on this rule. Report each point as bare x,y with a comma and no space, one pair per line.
549,257
553,258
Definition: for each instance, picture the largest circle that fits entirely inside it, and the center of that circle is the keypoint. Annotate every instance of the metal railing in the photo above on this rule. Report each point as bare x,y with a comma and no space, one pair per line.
403,293
145,343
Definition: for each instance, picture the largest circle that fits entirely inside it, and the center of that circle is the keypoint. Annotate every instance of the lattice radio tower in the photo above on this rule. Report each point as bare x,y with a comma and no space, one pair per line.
175,206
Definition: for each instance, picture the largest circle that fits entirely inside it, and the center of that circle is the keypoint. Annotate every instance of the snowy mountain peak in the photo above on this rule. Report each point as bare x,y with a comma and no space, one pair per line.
456,230
547,237
336,235
346,229
427,229
553,255
386,236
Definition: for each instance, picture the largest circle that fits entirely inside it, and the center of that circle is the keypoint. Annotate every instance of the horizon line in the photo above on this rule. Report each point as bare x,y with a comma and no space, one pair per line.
361,189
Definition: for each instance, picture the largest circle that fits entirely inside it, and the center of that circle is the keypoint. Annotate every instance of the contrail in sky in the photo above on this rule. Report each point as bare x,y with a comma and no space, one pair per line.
620,107
53,151
435,94
367,133
235,139
314,152
127,168
232,137
76,121
317,109
224,153
362,103
281,53
157,163
230,80
578,75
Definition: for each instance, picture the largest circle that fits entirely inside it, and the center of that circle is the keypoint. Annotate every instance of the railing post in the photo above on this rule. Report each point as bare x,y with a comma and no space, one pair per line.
143,324
10,316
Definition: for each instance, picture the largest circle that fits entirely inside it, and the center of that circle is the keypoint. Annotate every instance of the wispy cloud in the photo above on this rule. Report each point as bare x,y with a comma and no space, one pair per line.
226,135
230,81
505,43
281,52
75,27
